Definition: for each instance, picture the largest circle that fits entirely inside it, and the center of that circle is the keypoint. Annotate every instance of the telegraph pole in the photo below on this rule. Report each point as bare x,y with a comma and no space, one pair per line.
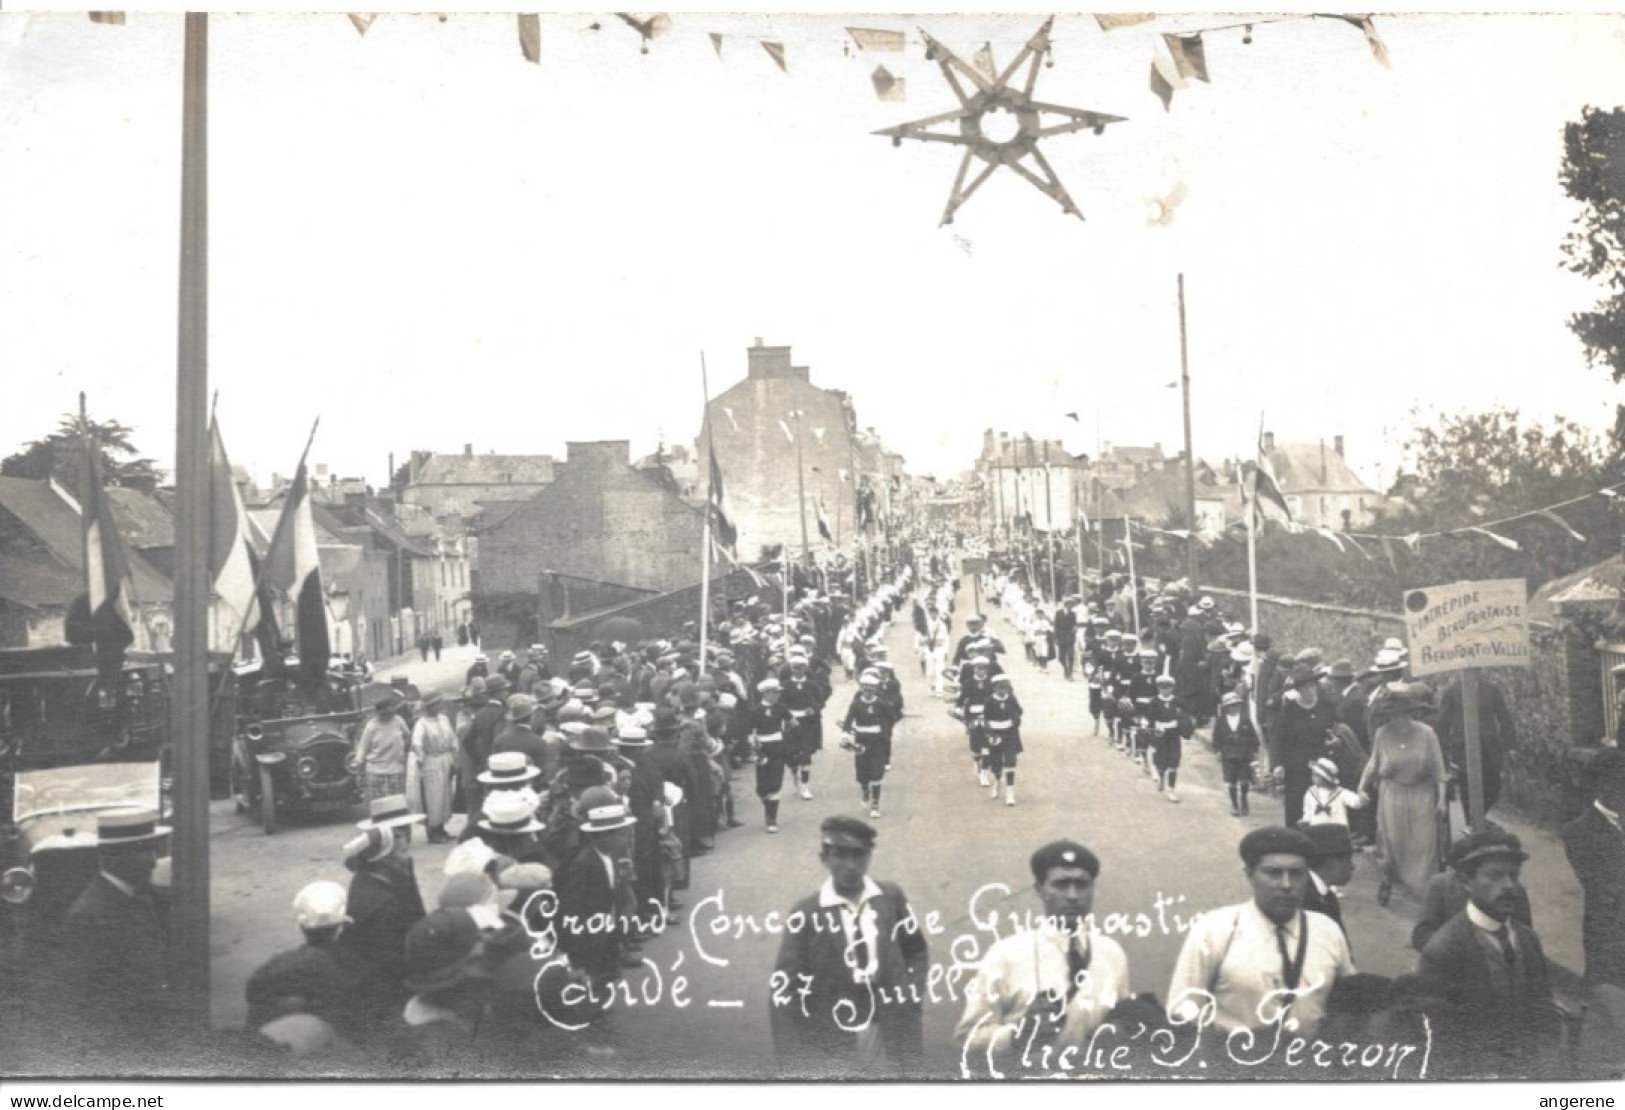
1190,459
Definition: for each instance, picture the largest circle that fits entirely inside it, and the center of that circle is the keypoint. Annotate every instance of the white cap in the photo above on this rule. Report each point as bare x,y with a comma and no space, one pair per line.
320,905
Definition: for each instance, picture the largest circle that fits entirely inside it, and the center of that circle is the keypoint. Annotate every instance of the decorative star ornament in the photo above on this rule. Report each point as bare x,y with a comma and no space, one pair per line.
999,123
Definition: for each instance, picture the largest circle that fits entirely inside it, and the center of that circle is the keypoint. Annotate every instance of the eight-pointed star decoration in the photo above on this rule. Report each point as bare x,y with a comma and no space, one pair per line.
1000,123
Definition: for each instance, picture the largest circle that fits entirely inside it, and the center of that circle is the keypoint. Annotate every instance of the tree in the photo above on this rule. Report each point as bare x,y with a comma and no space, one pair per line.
61,455
1593,174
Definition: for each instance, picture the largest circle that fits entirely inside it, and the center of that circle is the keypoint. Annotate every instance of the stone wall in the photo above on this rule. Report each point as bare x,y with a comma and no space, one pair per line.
656,616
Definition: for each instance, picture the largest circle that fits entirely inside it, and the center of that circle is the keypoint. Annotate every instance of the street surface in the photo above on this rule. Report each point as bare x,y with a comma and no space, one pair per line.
700,1006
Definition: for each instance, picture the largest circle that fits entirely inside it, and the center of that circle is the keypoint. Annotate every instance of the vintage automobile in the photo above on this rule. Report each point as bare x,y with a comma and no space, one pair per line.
48,849
293,745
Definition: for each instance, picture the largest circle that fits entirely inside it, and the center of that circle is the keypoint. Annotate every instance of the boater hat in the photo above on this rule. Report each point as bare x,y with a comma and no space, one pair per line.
134,827
507,769
511,812
389,813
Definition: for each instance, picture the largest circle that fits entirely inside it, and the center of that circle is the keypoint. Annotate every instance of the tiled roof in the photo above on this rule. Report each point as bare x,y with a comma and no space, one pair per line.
143,520
56,524
487,470
1298,468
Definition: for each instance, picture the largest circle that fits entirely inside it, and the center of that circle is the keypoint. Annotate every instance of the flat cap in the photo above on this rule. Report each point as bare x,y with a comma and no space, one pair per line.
1329,840
847,826
1489,844
1064,853
1275,840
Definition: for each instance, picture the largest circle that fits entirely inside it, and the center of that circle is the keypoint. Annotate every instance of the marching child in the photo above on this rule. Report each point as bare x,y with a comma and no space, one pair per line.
1236,741
866,733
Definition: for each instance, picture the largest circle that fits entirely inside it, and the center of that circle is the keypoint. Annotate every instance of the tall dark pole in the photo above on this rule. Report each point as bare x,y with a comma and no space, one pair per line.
189,706
801,492
1049,523
1190,459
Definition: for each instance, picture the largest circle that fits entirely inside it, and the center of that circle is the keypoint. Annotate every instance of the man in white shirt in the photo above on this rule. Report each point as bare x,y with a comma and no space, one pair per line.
1041,993
1267,964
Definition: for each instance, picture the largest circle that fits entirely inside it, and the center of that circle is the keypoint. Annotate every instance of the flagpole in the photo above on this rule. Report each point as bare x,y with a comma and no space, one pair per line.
1133,582
1049,523
705,546
1190,457
189,917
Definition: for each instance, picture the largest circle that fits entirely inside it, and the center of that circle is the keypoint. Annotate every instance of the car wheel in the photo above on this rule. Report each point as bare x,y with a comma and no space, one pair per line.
268,800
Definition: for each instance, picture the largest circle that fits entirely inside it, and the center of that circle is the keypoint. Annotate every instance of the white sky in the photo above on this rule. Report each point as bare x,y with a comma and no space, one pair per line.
429,241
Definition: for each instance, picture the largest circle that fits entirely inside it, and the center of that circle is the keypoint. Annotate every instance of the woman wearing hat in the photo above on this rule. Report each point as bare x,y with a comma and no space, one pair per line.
439,1034
380,754
384,901
1407,762
433,757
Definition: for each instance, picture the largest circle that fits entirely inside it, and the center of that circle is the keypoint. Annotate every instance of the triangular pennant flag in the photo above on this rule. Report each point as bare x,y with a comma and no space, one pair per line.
775,50
716,43
1505,541
1563,524
1379,49
1612,495
1388,550
1356,545
823,524
1414,542
1072,416
530,38
1111,21
876,40
1332,536
786,429
983,61
887,87
1190,56
362,20
116,18
1164,82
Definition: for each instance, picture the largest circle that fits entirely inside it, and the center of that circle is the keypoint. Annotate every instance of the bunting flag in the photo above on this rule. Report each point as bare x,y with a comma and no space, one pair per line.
1505,541
231,565
866,508
983,61
530,38
1190,56
891,41
104,615
1266,487
1072,416
115,18
1379,49
361,21
1414,542
818,434
775,50
719,520
823,524
1547,514
1111,21
888,87
1388,550
1164,82
293,565
716,43
1610,494
785,428
651,27
1332,536
1352,542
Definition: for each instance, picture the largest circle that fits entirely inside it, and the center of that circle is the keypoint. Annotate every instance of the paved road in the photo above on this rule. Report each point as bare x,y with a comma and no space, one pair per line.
960,857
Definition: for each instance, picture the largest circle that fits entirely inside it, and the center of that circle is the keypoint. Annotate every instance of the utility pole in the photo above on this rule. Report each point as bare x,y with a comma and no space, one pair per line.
801,489
1190,458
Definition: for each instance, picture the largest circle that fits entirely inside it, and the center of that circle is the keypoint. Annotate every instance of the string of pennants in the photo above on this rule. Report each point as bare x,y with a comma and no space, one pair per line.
1182,59
1413,541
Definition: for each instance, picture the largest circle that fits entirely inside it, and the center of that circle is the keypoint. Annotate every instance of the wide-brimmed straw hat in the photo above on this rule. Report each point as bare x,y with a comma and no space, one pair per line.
389,812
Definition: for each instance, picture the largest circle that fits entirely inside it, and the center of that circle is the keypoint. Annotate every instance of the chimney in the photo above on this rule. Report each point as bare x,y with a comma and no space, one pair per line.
758,341
768,362
1337,445
1269,441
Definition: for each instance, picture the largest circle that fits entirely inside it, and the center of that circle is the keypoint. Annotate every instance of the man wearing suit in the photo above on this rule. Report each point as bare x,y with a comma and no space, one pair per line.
115,954
593,886
1595,844
847,988
1330,867
1489,966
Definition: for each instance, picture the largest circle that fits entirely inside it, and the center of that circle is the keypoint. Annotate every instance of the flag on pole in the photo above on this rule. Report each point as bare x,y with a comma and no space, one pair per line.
530,38
823,524
231,568
104,615
719,521
1266,486
1190,56
775,50
293,565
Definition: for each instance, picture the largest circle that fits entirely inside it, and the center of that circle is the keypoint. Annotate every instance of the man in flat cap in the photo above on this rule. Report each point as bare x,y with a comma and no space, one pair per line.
1052,985
1266,958
850,976
1489,965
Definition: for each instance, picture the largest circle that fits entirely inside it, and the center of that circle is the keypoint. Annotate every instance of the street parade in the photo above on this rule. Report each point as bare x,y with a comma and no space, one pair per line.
503,668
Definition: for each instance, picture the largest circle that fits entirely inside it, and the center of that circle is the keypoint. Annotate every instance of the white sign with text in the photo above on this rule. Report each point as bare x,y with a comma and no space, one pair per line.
1467,624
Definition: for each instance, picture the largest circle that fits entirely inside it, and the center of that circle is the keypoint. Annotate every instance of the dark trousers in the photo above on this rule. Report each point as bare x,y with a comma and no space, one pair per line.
1067,650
